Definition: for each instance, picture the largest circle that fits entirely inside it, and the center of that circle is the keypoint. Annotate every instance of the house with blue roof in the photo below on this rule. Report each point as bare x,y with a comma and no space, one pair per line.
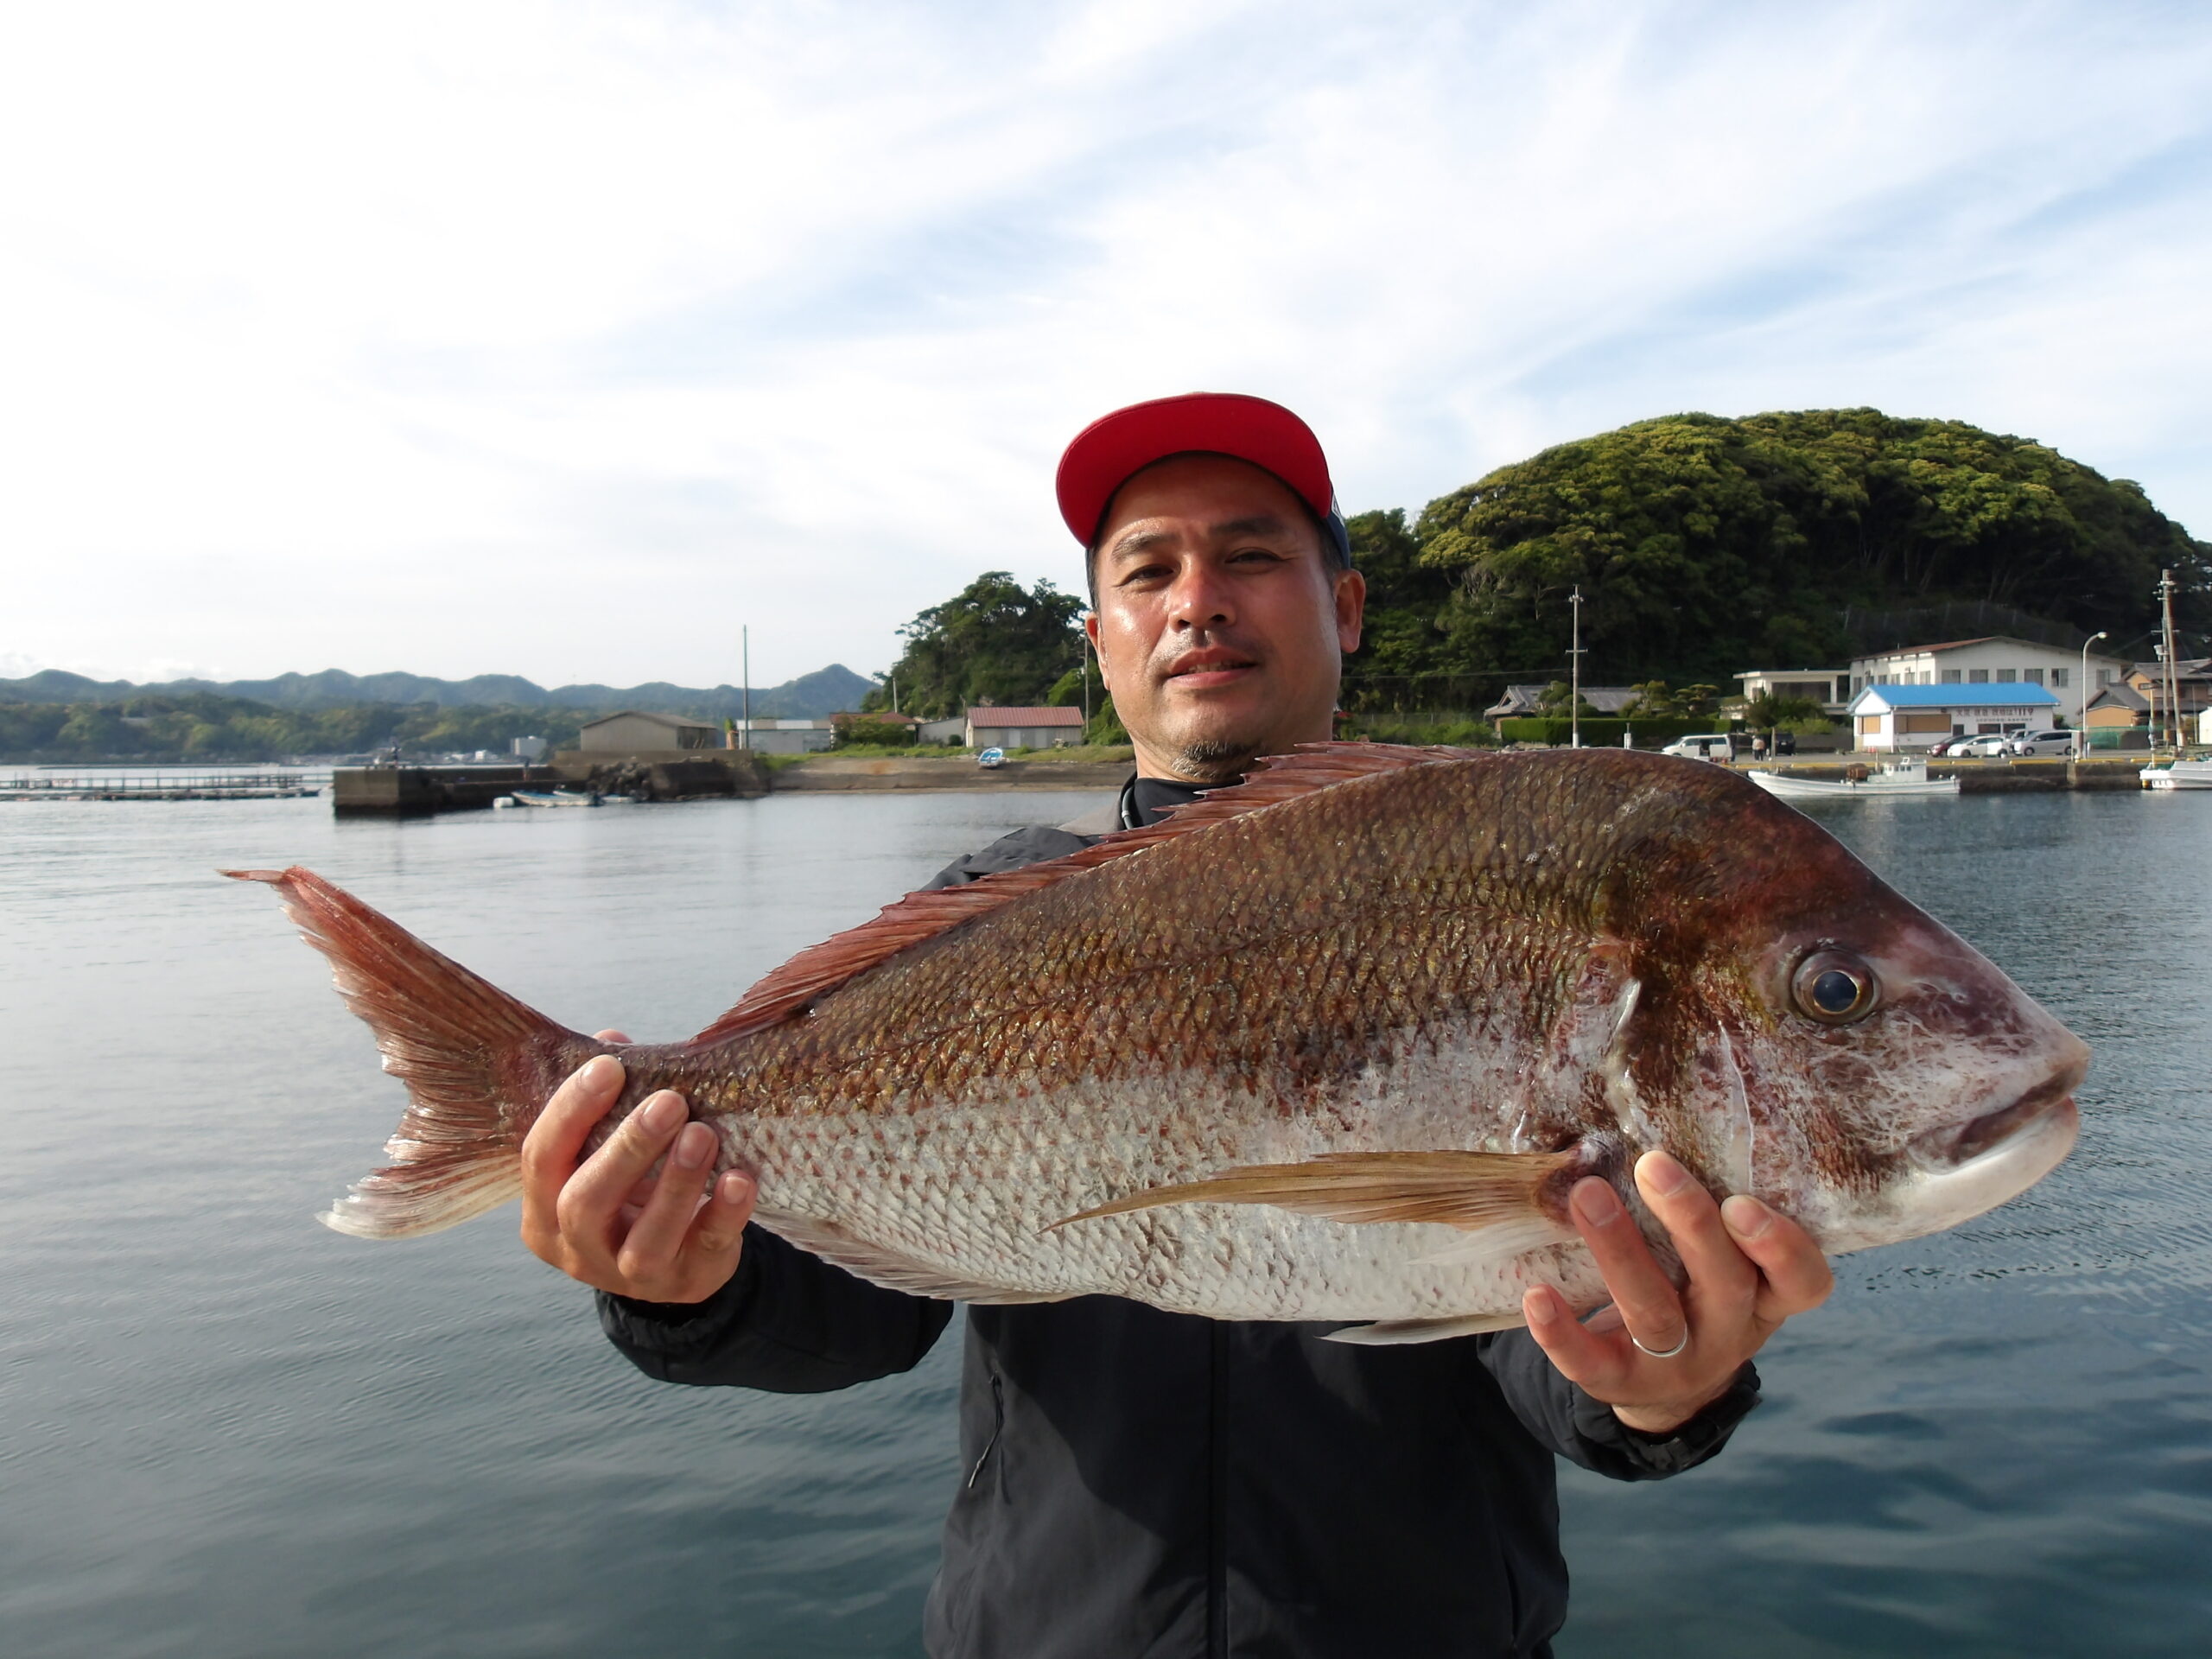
1897,717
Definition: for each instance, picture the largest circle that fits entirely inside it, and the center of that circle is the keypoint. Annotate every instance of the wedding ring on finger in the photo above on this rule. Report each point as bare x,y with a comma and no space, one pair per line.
1663,1353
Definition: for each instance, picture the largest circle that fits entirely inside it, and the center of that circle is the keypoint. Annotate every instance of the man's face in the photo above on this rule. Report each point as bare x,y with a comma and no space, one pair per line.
1221,625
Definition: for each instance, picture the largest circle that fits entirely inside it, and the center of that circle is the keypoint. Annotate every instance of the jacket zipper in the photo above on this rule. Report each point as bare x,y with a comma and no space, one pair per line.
998,1428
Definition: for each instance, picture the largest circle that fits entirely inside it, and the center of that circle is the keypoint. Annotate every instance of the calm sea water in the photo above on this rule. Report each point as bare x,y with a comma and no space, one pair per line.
225,1431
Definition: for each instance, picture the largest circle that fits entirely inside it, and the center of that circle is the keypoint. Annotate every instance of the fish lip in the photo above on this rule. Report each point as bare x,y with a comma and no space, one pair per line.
1959,1144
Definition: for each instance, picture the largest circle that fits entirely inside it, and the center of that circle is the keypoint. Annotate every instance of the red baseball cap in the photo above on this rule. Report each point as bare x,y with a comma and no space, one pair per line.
1105,454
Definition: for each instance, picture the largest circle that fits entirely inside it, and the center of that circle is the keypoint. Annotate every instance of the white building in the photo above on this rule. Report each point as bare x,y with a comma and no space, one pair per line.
784,736
1996,660
1831,688
990,728
1894,717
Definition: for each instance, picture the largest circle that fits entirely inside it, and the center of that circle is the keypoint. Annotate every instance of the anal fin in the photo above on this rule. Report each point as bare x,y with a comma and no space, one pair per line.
1469,1189
1391,1332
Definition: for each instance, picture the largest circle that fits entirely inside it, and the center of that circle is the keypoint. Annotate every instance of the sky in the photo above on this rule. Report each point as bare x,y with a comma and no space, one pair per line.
566,340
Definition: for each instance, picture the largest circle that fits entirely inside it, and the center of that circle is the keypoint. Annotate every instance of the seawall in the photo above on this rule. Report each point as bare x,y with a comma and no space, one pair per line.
2027,775
829,774
658,775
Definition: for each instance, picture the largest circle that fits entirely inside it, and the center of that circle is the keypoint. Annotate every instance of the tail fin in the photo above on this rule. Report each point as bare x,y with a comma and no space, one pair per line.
476,1064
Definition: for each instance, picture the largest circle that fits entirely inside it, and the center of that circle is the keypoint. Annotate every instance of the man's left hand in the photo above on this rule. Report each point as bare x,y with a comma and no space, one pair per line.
1749,1269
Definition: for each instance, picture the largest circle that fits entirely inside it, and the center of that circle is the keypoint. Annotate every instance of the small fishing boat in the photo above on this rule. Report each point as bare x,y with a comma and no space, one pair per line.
991,760
2178,774
1900,780
553,798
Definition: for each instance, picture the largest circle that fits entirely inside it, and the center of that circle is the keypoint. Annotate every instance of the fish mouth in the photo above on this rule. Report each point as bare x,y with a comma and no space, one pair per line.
2047,1107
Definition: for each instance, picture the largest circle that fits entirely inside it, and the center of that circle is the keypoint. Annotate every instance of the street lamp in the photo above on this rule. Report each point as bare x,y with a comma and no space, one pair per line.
2081,720
1574,674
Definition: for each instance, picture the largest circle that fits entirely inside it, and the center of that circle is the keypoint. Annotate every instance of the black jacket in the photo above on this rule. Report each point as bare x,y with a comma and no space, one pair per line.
1137,1484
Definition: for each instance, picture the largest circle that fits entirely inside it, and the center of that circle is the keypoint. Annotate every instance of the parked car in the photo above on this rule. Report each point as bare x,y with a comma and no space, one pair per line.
1989,746
1946,746
1704,746
2052,742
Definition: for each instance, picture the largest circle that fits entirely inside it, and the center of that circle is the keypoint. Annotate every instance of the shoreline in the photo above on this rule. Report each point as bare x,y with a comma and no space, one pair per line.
953,776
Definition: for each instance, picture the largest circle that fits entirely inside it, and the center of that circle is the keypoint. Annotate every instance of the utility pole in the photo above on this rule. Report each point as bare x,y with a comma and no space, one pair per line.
1574,674
894,693
2171,675
745,634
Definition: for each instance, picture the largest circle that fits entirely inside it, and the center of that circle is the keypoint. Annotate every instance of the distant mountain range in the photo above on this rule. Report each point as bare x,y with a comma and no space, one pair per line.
810,697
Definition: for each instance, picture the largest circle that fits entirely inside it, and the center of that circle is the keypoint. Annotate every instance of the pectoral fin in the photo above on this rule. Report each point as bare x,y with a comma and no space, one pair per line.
1468,1190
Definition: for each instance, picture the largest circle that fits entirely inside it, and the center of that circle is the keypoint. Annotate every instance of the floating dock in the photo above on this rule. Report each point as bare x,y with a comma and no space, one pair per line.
209,787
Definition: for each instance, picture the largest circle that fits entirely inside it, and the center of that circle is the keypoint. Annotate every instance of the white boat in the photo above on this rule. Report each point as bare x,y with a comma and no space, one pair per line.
2178,774
1893,782
555,798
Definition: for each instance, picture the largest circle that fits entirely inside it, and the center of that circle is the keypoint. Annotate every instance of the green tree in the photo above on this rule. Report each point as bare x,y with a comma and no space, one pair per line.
1705,545
1400,663
1766,711
850,729
1105,726
995,641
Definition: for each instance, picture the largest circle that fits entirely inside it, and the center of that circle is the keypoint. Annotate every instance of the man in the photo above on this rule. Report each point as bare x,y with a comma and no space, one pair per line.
1143,1483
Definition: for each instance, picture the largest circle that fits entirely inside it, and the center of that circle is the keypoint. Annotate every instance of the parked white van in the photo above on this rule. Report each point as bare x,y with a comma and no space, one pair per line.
1703,745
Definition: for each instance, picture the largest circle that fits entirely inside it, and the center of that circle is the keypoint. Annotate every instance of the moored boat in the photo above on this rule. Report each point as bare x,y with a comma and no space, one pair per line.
2178,774
1894,782
555,798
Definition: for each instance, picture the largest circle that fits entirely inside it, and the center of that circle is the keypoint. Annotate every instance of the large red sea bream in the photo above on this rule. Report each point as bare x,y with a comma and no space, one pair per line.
1332,1045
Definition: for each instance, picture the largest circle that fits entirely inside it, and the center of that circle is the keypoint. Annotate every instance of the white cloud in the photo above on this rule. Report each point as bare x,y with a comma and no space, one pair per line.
562,339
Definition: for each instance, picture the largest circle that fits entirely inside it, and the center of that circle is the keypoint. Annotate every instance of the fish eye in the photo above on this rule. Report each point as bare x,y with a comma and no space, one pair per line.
1834,988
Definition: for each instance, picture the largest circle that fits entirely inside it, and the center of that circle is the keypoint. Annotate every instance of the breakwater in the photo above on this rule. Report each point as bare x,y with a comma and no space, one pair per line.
672,775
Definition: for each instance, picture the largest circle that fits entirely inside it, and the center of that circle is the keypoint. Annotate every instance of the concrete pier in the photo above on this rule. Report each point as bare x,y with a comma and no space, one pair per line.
410,792
658,775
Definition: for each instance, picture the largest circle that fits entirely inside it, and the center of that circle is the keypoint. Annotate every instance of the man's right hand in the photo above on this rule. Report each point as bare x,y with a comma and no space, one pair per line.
611,1221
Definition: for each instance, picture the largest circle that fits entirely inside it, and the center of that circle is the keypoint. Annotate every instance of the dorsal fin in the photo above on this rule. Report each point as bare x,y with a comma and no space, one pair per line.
921,916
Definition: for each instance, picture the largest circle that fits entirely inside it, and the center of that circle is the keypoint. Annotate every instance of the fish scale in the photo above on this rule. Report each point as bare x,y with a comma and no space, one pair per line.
1330,1046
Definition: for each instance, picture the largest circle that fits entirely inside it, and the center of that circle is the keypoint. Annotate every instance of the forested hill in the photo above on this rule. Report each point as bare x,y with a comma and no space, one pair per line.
1705,545
826,691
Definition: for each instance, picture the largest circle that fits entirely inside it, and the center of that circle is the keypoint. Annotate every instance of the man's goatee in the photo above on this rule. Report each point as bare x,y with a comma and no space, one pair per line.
1214,761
